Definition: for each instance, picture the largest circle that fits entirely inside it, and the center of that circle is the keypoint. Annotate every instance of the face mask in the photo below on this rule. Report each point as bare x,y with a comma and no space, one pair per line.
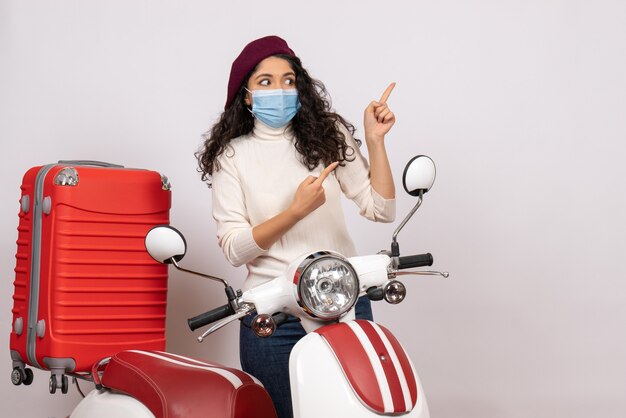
275,108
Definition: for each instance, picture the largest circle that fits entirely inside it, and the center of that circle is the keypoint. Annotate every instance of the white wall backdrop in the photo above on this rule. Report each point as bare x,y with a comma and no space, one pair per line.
521,103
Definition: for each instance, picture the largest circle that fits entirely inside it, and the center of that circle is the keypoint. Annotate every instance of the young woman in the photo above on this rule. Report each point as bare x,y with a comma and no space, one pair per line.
278,161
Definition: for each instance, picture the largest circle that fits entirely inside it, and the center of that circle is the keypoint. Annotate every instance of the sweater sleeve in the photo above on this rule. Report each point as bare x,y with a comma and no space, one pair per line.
354,179
234,231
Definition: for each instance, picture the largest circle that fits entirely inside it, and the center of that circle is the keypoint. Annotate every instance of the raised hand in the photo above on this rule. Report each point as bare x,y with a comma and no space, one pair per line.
378,118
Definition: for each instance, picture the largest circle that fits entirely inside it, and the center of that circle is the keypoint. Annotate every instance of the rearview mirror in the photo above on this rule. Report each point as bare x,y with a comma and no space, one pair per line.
165,243
419,175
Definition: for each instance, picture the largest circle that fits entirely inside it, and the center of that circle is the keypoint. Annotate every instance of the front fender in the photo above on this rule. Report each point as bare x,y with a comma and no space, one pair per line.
358,368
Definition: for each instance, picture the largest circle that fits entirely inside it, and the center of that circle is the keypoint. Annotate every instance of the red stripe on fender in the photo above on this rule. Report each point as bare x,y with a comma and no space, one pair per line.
355,364
390,371
404,363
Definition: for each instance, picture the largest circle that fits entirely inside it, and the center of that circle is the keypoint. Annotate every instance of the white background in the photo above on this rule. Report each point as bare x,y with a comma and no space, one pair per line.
521,103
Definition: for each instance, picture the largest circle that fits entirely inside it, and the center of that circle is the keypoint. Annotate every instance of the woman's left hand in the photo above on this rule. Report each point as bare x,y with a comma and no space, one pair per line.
378,118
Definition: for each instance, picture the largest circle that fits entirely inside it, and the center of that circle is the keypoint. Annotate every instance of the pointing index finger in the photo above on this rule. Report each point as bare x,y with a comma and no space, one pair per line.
387,93
326,172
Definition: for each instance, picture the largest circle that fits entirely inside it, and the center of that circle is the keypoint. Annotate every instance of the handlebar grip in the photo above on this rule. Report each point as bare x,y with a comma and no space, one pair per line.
280,318
211,316
419,260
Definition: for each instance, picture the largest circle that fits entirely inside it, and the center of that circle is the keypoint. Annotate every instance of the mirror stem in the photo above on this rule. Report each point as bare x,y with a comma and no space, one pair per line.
206,276
395,248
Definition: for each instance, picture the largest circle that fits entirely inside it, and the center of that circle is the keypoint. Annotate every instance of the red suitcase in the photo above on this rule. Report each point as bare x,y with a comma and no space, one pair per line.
85,287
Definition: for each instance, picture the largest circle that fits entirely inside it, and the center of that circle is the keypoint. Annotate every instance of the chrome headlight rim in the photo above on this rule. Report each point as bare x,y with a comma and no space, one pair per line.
303,268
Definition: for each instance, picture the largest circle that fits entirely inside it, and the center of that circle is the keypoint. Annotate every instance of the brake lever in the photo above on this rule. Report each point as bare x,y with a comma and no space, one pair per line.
444,274
244,310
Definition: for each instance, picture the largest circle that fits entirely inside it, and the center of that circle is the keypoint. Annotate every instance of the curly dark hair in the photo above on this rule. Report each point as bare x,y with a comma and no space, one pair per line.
318,138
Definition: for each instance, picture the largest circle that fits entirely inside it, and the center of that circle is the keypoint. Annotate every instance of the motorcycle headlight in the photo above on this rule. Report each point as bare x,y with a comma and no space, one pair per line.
327,285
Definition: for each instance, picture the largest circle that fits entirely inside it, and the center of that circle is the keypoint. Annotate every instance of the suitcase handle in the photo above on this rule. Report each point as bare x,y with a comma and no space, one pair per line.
90,162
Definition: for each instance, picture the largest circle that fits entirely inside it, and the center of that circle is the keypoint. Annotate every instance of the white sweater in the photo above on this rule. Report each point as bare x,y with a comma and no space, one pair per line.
257,180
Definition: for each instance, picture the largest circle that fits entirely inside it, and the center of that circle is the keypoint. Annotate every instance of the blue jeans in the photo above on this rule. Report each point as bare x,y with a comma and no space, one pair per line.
267,359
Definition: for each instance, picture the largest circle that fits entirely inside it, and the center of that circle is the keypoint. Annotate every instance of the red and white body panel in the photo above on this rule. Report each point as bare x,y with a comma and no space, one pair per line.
321,385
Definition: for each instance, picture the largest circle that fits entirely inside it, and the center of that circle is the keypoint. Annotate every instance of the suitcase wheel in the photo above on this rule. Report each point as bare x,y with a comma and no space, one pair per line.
65,384
21,376
52,385
29,377
58,380
18,376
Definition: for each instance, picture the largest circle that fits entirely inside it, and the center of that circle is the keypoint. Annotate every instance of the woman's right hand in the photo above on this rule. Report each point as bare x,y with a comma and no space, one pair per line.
310,194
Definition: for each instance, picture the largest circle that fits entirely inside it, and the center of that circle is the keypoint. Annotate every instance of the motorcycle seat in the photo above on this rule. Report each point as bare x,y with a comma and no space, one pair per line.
173,386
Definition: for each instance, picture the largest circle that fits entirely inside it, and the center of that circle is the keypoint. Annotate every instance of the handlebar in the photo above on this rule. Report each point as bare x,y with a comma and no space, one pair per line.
210,316
411,261
280,318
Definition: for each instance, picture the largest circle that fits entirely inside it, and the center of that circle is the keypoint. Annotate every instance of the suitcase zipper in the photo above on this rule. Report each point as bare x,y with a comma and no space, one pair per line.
35,267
